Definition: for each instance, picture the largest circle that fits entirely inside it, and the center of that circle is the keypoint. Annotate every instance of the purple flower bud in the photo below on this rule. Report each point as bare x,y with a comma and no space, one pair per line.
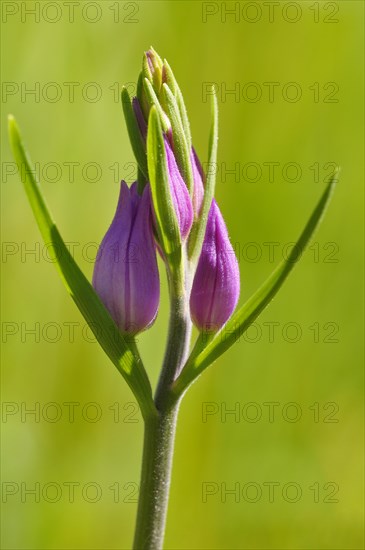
180,193
216,285
198,182
126,274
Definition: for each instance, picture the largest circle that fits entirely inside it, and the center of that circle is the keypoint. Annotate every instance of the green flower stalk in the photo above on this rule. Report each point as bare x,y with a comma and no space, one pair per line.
170,209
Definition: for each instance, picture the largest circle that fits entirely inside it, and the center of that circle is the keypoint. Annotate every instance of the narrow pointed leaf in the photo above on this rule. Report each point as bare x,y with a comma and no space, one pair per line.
174,87
166,221
142,96
124,355
153,100
198,230
155,77
181,148
137,142
247,314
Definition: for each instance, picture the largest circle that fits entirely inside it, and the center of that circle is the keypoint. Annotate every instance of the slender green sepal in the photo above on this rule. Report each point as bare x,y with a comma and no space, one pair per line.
141,180
166,221
247,314
198,230
181,148
141,95
146,71
137,141
169,78
154,75
156,55
153,100
123,354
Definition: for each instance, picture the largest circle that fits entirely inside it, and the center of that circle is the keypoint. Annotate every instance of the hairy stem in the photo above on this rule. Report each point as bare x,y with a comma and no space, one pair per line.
158,447
159,434
177,348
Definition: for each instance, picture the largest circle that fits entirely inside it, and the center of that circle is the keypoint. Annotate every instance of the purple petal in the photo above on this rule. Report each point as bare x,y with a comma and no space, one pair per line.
198,176
125,274
143,277
180,193
216,285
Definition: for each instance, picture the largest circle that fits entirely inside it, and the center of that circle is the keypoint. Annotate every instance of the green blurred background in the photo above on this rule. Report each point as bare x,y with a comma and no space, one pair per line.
303,355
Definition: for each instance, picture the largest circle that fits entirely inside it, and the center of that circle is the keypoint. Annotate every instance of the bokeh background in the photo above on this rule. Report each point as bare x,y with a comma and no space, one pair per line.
292,452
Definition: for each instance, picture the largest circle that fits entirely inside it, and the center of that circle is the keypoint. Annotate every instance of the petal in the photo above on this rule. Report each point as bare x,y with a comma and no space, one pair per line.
109,271
125,274
180,193
216,284
198,176
143,271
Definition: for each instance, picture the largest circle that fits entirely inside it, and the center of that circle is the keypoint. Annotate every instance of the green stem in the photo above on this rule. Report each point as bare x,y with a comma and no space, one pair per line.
158,449
159,434
177,348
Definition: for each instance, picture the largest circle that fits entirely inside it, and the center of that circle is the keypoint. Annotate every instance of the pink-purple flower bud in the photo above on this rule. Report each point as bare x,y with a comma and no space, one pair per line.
126,275
198,192
216,285
179,192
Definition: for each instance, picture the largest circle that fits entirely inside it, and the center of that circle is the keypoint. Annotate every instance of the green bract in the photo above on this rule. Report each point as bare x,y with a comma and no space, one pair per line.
167,226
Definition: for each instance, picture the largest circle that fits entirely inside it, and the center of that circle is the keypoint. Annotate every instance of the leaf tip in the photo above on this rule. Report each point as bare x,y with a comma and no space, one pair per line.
153,116
12,125
336,174
124,92
334,179
14,133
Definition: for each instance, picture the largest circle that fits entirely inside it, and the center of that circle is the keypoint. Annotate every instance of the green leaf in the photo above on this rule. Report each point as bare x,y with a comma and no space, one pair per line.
124,355
142,96
246,314
198,230
174,87
181,148
166,221
154,77
136,139
153,101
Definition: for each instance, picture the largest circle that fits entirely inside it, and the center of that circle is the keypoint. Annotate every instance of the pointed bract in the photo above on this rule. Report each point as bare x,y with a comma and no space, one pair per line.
198,182
142,125
126,274
179,192
216,285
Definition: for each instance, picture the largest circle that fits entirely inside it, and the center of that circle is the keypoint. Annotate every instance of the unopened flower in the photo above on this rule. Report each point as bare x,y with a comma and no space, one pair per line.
216,285
153,67
126,274
179,192
198,192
